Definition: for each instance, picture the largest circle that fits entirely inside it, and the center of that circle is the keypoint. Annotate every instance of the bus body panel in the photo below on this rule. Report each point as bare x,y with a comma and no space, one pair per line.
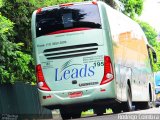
130,55
90,94
61,73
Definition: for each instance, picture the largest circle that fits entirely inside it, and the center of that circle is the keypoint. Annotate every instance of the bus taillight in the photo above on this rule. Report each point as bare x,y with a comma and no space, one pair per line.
108,71
40,79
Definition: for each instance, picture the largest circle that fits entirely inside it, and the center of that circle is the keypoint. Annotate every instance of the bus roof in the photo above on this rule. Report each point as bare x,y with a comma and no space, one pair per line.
66,4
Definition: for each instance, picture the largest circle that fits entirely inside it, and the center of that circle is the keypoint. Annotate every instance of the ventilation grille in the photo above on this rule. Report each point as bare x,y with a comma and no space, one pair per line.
71,51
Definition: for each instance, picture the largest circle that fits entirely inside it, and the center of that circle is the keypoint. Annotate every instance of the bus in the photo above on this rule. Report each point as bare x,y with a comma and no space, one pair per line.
90,56
157,88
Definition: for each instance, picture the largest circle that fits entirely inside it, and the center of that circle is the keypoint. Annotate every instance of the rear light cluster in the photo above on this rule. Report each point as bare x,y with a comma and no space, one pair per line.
40,79
108,71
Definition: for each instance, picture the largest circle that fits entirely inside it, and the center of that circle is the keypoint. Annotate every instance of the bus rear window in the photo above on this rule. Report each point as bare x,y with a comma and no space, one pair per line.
62,18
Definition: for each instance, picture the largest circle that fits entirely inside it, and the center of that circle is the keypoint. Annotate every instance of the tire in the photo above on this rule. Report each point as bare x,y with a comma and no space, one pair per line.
143,105
76,115
117,109
70,113
65,114
147,105
99,111
138,105
127,106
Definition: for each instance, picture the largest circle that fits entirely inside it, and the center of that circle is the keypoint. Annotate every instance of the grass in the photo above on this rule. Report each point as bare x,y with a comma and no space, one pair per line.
90,112
86,113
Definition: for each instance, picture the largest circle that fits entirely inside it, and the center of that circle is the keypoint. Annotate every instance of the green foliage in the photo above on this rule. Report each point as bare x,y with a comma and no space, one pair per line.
0,3
157,48
14,64
151,35
15,37
40,3
132,7
19,13
110,2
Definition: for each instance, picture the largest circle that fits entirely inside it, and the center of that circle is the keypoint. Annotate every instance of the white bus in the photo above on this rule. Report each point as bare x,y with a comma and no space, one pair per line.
90,56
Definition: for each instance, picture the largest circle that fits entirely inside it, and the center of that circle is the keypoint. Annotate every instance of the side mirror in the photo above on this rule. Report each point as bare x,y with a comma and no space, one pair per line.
153,53
154,57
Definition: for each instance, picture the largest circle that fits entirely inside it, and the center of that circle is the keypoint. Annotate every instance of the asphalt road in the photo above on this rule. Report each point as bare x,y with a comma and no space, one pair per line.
149,114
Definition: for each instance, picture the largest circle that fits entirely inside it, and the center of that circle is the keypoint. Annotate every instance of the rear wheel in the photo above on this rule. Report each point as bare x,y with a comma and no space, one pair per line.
70,113
76,115
99,111
127,106
117,109
65,114
149,104
143,105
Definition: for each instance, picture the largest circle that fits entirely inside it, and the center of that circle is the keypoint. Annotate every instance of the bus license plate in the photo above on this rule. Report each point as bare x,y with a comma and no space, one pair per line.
75,94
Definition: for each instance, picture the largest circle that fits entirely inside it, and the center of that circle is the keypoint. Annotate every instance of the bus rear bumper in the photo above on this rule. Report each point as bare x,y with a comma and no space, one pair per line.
90,94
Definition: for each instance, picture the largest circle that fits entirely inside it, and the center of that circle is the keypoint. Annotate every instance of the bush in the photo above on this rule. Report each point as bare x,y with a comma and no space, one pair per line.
14,64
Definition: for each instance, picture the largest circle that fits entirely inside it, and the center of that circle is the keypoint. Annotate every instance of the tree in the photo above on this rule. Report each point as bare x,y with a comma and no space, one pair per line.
151,35
14,64
157,48
20,12
112,3
130,8
40,3
150,32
